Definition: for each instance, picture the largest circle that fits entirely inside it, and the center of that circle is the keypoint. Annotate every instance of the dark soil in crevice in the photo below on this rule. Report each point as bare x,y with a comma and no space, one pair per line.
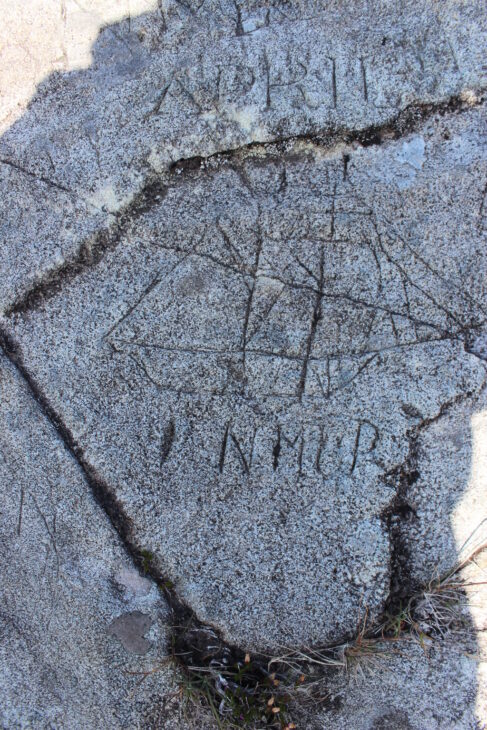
194,644
395,518
191,638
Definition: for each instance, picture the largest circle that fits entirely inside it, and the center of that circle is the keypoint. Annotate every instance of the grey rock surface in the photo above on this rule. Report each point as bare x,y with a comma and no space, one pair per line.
197,78
408,690
452,452
244,273
244,366
66,579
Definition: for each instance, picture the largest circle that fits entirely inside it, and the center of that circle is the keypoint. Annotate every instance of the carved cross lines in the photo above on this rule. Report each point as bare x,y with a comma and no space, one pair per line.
288,302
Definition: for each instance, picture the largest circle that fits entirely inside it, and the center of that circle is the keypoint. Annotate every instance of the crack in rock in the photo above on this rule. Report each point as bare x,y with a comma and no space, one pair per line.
195,643
399,513
241,345
182,616
155,188
248,292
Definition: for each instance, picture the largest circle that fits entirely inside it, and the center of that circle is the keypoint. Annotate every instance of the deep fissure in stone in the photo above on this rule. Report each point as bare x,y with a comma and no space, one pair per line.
190,635
196,645
193,642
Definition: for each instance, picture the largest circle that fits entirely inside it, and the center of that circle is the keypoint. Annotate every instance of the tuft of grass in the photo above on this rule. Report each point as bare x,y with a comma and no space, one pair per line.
434,612
254,692
235,691
438,609
248,692
238,696
147,559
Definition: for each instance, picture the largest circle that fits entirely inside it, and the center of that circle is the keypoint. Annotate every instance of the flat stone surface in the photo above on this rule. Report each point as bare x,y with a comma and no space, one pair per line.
197,78
408,690
448,506
66,580
243,369
244,265
442,684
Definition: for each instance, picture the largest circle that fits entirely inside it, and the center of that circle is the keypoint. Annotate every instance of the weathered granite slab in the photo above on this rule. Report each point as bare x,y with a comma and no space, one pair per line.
243,271
245,365
66,584
197,78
